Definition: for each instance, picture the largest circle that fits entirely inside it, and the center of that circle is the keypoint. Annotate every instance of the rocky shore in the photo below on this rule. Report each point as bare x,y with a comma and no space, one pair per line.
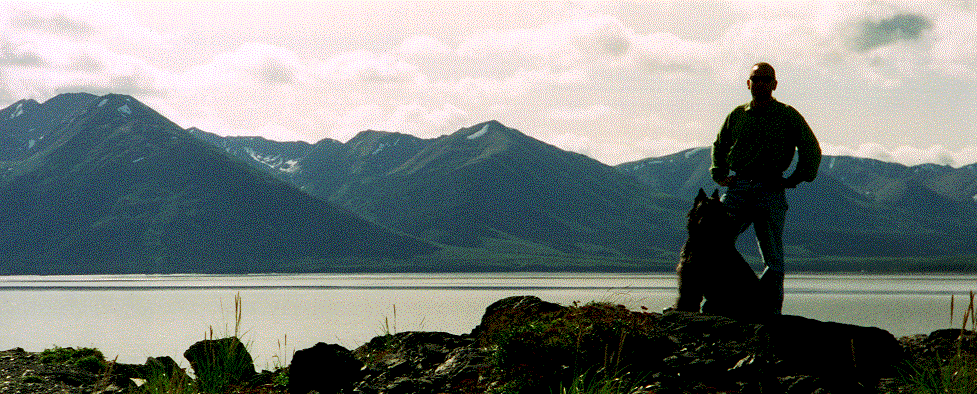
526,345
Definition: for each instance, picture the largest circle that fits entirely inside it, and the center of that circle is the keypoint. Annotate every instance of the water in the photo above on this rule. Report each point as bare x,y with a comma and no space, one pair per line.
133,317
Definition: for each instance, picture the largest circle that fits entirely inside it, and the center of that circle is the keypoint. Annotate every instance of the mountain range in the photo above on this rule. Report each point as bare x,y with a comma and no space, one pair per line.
107,185
104,184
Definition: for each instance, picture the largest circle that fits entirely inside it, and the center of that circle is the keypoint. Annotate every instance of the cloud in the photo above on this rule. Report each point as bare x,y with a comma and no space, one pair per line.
19,55
423,46
592,113
255,62
870,34
52,22
49,49
562,43
955,51
367,67
667,52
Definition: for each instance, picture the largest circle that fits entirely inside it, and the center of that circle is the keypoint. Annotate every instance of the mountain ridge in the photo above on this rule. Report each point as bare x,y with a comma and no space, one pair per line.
123,190
484,196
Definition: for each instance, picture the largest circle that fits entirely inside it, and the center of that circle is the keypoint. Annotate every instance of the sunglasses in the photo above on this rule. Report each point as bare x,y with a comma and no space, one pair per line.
761,78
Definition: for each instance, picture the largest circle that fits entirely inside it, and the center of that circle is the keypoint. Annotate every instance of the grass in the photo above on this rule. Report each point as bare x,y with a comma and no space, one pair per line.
224,362
387,328
88,359
955,373
583,349
601,382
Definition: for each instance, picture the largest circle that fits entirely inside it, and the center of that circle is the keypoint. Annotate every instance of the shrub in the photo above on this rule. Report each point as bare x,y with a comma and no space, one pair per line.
89,359
573,350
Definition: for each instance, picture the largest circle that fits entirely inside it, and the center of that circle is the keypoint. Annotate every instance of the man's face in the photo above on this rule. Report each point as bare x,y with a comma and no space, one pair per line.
762,82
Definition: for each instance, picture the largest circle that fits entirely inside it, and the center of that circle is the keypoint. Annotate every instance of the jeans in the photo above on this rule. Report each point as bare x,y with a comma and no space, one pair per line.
764,205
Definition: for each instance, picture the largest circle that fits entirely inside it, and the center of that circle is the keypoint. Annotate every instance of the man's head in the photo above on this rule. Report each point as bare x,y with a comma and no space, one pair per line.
762,82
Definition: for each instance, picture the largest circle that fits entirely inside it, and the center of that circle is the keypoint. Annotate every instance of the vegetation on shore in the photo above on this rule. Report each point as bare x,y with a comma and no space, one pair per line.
591,348
941,372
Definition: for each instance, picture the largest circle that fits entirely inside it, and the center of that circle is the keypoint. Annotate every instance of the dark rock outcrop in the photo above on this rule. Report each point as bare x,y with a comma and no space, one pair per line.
220,363
419,362
526,345
324,368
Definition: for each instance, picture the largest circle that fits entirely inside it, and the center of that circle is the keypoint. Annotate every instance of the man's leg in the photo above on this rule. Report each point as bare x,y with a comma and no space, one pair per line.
769,227
738,200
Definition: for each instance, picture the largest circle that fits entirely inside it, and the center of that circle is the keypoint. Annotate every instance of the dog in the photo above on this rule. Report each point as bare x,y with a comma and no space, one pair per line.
710,267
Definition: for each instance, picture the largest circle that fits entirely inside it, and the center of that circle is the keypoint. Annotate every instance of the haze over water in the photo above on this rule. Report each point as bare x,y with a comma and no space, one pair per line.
134,317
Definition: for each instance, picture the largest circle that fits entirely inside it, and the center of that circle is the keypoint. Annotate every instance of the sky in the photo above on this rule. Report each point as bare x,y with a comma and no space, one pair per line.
617,81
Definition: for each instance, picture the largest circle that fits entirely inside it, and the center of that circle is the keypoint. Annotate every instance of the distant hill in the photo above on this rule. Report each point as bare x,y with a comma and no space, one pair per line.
107,185
489,186
104,184
856,207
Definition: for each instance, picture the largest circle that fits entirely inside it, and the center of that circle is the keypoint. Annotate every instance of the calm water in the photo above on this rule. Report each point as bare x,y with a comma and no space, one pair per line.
134,317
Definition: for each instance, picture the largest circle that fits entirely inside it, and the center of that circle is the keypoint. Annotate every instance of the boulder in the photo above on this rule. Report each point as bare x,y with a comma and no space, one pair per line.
507,311
324,368
849,357
220,363
166,371
418,362
526,345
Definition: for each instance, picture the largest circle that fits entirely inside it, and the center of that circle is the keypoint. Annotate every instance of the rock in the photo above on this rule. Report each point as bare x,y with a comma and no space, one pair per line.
847,357
164,369
220,363
418,362
507,311
324,368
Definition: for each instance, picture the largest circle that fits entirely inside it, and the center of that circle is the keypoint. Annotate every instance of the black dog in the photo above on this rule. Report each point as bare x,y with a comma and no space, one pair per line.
712,268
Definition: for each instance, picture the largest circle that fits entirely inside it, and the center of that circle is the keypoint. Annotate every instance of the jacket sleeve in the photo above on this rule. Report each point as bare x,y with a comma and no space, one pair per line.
720,150
808,151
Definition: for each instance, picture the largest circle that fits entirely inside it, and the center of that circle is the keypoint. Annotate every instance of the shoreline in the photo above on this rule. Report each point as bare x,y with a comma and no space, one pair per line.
673,348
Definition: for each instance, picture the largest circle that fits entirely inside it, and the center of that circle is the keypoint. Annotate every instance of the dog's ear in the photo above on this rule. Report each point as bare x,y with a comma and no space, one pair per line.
715,193
701,196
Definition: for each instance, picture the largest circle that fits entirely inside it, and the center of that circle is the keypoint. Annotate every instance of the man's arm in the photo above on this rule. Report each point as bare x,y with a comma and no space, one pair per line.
808,153
720,150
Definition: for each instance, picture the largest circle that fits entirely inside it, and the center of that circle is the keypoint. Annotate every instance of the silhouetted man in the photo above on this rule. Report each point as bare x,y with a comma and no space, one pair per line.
757,142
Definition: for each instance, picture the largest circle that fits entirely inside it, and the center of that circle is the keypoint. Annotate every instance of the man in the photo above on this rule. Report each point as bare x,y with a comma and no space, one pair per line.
757,142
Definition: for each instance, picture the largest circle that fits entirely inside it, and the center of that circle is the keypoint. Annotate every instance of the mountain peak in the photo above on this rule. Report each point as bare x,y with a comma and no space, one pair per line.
18,109
485,129
62,98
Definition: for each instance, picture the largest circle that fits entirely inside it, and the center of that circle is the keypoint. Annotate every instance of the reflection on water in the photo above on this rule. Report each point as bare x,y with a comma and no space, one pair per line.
136,316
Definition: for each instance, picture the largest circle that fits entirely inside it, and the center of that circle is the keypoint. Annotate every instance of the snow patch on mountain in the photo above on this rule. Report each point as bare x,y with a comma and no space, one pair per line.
694,151
290,167
479,133
19,111
102,103
125,109
275,162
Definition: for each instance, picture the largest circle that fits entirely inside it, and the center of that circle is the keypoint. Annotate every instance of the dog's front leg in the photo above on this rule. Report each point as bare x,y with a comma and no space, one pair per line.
690,293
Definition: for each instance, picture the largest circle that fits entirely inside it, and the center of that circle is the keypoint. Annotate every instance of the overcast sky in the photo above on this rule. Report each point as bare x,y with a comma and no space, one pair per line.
615,81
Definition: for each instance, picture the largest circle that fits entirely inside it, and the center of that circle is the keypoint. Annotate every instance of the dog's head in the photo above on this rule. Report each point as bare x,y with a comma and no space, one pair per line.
709,213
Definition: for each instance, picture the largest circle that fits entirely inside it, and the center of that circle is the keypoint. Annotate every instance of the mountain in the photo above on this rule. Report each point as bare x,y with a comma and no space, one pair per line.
493,187
490,183
856,207
111,186
253,150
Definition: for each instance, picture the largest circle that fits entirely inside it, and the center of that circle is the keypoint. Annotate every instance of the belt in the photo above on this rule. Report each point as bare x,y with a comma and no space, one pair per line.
757,178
